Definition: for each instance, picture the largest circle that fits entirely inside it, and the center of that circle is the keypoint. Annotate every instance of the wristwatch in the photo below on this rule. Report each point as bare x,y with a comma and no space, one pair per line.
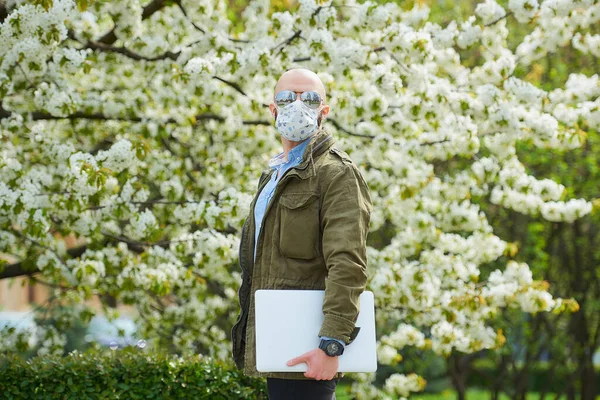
331,347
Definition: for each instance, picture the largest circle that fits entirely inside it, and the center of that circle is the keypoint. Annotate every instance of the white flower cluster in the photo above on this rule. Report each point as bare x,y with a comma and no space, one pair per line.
469,33
160,269
489,11
28,37
528,195
77,176
56,102
142,225
87,271
127,17
52,342
524,92
9,340
119,157
533,300
557,23
200,66
402,385
211,251
503,285
73,58
524,10
587,43
567,211
447,336
362,389
389,345
88,22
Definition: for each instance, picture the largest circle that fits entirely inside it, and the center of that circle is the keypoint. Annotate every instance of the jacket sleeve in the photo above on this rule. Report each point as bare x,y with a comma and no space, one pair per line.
345,215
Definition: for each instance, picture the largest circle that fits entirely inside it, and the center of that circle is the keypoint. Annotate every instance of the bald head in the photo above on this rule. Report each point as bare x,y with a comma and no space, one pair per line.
300,80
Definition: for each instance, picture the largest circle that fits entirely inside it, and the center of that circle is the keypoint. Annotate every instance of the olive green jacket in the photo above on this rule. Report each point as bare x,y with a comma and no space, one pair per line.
313,237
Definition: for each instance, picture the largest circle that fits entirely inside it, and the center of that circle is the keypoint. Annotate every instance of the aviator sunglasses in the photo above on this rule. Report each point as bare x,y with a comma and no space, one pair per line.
311,98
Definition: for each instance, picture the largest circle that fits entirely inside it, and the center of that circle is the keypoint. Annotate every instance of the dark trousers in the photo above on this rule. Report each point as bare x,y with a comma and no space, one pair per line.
301,389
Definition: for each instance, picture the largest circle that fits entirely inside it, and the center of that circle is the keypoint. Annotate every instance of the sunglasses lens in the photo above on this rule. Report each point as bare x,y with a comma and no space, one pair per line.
311,99
284,97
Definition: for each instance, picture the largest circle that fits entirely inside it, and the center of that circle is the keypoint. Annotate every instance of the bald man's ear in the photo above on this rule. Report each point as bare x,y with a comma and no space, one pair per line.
274,118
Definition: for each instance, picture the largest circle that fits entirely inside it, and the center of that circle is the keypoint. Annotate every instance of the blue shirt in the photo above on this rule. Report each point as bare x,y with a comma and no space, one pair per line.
280,165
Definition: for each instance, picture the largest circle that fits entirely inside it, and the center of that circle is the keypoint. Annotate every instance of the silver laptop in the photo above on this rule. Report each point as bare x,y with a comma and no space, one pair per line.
288,324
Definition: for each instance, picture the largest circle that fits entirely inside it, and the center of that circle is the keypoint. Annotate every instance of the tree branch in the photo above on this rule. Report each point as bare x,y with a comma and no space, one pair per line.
38,115
287,41
500,18
156,5
18,269
141,245
232,84
341,128
3,11
126,52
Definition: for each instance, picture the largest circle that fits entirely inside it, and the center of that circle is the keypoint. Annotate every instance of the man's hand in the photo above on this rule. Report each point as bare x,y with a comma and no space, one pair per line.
320,365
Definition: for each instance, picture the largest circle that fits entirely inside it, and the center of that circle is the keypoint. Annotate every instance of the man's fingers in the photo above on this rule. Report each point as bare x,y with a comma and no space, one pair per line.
293,361
311,372
297,360
316,372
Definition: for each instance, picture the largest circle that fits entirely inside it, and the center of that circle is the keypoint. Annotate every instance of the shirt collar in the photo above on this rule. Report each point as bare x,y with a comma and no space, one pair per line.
297,151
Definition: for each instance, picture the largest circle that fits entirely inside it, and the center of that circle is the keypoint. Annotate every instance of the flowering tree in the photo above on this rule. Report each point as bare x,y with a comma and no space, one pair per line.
137,133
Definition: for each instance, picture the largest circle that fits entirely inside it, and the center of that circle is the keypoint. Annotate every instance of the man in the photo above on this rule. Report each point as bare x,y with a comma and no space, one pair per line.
307,229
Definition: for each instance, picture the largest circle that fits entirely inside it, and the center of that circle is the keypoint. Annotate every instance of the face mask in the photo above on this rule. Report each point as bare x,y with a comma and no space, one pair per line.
297,121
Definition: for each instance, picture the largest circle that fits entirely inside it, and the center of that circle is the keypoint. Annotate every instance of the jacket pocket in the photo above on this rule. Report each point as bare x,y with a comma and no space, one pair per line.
299,225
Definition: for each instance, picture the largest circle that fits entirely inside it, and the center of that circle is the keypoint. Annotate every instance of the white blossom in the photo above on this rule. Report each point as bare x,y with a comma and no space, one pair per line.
150,156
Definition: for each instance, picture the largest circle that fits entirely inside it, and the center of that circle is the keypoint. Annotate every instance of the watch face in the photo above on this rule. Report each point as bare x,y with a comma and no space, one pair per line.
332,348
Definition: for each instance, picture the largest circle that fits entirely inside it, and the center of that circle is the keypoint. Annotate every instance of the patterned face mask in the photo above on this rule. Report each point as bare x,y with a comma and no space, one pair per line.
297,121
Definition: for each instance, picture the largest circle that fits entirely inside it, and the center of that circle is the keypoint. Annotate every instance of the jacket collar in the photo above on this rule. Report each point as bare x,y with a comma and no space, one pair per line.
319,143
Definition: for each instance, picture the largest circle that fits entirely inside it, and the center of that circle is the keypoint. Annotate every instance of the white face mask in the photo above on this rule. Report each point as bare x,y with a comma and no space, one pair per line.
297,121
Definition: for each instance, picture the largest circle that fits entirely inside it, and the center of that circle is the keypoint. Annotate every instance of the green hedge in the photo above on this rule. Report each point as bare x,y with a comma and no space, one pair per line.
124,374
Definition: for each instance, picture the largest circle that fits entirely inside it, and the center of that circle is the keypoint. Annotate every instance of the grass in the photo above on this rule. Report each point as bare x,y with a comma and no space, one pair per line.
341,393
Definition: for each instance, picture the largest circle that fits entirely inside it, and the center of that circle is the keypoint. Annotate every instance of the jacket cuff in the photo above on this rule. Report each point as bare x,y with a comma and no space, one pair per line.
339,328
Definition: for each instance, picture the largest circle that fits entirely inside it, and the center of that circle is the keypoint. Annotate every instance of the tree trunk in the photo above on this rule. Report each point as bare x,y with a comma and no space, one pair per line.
457,375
